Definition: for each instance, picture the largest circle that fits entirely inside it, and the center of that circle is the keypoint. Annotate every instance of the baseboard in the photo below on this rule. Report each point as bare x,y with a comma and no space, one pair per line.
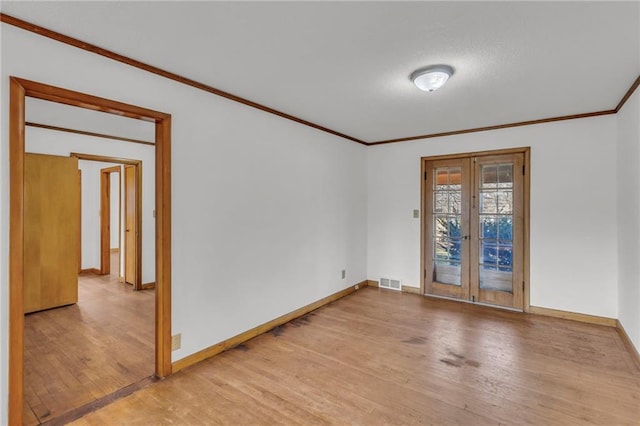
591,319
628,343
148,286
90,271
114,250
250,334
372,283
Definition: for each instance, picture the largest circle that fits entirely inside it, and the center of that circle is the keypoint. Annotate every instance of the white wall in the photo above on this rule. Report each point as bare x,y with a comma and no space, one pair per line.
61,143
266,213
573,209
628,120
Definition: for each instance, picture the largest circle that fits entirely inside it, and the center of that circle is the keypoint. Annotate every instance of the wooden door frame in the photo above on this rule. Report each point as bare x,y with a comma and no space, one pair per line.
137,284
526,191
80,222
19,90
105,217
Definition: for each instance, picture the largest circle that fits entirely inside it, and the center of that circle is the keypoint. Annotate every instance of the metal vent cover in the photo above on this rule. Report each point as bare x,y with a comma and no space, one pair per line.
390,283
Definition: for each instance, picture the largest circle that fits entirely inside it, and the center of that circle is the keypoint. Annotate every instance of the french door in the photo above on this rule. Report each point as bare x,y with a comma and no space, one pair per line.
474,228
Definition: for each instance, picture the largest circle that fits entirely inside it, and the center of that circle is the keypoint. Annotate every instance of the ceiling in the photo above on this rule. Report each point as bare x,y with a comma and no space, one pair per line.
346,65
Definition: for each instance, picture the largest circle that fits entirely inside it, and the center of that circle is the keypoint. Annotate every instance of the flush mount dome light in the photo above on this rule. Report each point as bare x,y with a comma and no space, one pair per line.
431,78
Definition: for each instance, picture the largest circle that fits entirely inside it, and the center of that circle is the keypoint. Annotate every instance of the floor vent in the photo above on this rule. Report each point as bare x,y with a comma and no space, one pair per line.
390,283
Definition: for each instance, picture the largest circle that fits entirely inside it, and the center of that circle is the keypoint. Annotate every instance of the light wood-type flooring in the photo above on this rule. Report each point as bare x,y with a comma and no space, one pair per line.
79,353
381,357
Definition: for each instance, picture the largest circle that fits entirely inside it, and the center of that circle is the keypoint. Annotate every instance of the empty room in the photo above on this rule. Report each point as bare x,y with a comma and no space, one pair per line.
320,212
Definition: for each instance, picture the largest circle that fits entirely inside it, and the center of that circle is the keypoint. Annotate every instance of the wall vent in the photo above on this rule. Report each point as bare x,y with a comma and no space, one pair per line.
390,283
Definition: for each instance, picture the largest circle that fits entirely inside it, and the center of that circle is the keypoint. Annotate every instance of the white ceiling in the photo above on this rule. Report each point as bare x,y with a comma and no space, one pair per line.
346,65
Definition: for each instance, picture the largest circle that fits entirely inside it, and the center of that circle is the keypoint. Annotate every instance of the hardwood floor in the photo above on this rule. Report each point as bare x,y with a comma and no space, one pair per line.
382,357
79,353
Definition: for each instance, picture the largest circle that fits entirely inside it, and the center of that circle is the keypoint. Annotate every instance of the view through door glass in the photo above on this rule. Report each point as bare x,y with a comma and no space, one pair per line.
485,264
447,258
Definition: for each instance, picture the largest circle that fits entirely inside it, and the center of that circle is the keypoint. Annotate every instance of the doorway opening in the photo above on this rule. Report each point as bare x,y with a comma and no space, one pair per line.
110,221
128,239
21,89
475,239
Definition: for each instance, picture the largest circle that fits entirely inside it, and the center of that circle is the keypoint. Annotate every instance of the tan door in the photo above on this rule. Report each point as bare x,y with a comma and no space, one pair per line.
497,230
51,216
130,223
447,244
474,229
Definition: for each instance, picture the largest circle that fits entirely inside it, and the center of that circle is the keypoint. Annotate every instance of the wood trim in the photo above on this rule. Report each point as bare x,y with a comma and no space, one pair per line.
113,250
256,331
82,132
82,100
628,94
16,250
138,285
526,265
495,127
556,313
95,405
105,159
163,73
372,283
163,247
423,225
28,26
105,217
411,290
485,153
80,221
148,286
92,271
635,354
19,90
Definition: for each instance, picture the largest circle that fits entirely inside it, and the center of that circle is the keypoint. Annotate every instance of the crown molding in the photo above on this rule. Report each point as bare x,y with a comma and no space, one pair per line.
28,26
496,127
627,95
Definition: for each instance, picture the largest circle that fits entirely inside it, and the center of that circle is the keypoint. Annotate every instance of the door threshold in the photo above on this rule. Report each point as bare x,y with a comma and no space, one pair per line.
76,413
489,305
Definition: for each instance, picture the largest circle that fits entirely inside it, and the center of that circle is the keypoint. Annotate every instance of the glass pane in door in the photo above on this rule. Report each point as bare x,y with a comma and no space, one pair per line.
496,227
447,223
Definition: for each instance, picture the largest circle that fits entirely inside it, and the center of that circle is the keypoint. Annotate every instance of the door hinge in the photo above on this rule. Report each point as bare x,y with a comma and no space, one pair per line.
523,170
425,175
522,285
425,273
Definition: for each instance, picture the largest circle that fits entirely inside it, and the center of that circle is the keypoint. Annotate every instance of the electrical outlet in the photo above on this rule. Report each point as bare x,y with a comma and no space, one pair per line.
416,214
176,341
344,274
357,286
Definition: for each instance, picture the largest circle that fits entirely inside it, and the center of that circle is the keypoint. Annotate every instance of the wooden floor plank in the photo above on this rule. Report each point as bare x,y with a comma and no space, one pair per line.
77,354
382,357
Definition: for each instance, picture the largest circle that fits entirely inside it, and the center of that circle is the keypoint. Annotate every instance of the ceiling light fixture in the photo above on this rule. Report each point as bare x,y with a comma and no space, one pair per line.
431,78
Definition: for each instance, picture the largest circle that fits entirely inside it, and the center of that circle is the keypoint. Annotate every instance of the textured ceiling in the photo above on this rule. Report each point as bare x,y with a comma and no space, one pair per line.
346,65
